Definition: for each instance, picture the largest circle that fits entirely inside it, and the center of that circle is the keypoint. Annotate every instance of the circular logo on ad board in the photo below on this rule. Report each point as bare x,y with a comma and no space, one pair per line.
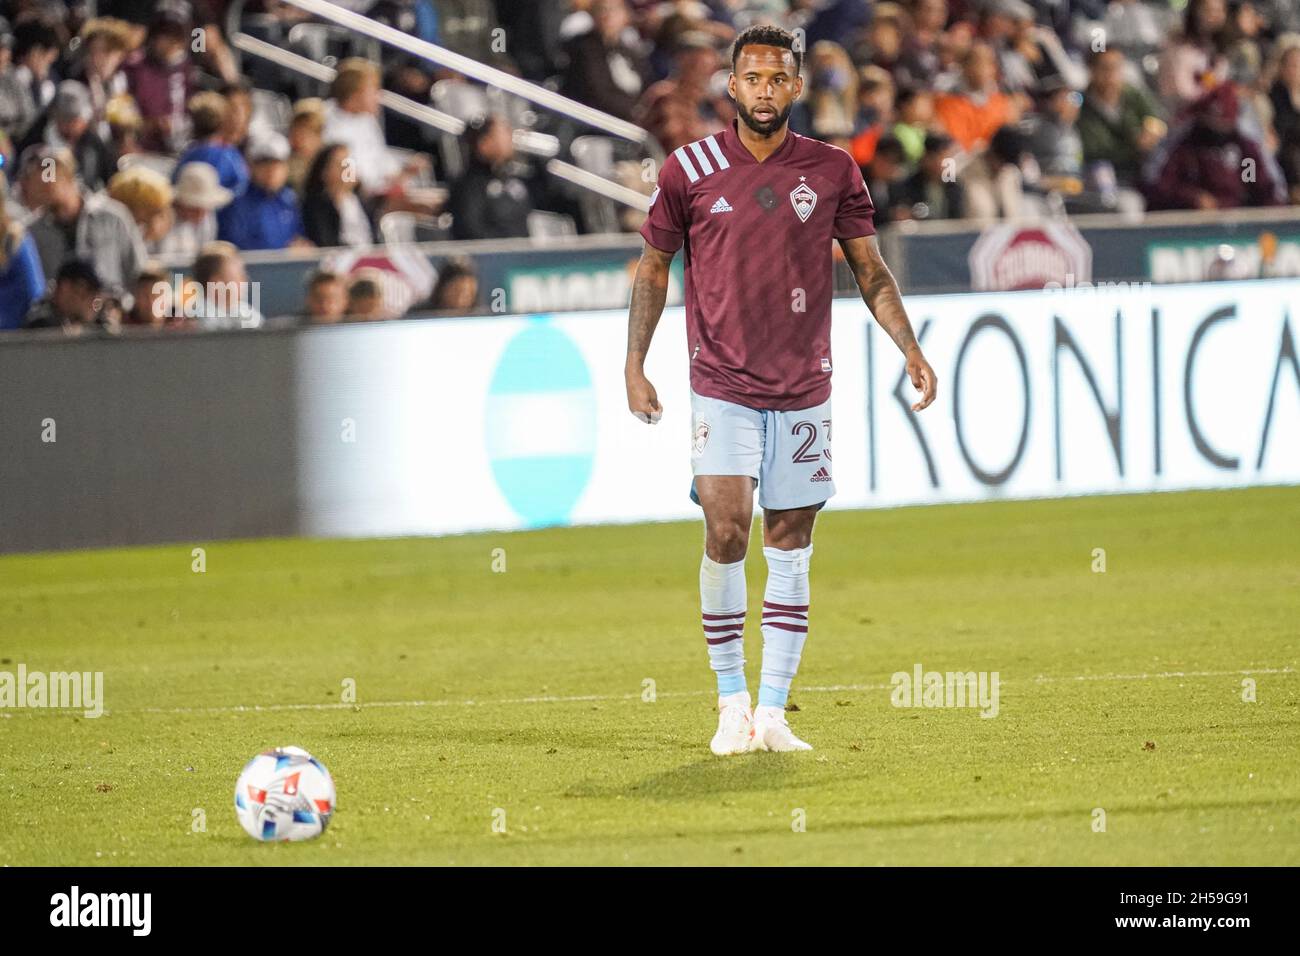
541,424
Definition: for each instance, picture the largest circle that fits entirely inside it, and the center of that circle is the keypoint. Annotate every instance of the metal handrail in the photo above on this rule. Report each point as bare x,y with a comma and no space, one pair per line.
526,141
476,70
319,71
586,179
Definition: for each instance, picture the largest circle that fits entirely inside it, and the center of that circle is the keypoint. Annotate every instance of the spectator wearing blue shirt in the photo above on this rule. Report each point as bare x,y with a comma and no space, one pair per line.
266,216
22,280
208,113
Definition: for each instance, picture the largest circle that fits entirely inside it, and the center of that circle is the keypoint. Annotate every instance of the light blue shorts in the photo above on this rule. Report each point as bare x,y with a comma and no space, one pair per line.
788,453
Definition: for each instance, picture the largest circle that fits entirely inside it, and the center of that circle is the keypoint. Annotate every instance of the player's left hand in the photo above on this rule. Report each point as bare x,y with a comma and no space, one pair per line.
923,380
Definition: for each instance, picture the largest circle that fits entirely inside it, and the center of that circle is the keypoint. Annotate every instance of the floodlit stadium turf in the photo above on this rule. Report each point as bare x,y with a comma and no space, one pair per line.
518,697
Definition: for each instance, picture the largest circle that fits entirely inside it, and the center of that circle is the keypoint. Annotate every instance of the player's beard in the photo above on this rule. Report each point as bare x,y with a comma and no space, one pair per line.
765,127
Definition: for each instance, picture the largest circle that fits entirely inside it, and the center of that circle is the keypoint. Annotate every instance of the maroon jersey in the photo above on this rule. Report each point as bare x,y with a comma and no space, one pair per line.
758,242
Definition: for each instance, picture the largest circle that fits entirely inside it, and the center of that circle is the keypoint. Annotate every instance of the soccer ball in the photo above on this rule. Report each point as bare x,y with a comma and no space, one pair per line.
284,794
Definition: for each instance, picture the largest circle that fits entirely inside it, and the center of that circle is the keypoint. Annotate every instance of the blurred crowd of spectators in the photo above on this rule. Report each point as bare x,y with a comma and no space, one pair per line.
132,146
129,149
983,109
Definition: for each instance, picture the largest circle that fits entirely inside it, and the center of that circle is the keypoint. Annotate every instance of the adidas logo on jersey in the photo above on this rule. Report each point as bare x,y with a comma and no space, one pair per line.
721,205
821,474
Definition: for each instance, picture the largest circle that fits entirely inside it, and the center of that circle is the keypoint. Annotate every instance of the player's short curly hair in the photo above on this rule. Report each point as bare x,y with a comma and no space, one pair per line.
765,35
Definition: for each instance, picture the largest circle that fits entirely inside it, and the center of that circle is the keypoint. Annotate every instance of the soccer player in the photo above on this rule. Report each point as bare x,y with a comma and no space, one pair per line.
755,209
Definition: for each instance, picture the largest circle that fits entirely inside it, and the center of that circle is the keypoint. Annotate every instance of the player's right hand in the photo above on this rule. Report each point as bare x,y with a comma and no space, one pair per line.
642,399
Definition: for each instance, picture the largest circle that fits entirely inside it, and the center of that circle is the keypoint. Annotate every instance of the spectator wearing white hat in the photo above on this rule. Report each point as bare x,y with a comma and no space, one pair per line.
266,216
199,195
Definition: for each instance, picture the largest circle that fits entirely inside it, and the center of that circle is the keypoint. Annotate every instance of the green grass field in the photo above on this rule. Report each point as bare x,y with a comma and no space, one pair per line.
522,691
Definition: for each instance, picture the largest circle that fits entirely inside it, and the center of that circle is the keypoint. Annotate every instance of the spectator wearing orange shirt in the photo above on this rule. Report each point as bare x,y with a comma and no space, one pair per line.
977,108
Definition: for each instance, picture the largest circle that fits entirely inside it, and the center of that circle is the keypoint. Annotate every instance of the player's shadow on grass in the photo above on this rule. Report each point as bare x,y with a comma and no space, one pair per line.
744,773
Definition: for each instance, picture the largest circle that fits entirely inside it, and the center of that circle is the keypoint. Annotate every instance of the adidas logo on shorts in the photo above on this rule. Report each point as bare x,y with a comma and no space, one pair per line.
722,205
821,474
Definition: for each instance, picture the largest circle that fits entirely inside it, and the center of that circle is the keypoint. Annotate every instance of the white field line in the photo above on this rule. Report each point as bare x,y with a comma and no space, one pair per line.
596,698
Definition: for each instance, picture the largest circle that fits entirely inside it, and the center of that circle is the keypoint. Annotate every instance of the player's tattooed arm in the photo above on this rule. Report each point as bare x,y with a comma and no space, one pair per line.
880,292
649,292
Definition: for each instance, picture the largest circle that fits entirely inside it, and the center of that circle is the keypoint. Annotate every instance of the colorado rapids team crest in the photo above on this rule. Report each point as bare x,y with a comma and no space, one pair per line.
701,438
804,201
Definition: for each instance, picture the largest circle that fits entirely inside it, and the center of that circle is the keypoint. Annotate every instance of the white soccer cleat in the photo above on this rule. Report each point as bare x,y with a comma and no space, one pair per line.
735,725
771,732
